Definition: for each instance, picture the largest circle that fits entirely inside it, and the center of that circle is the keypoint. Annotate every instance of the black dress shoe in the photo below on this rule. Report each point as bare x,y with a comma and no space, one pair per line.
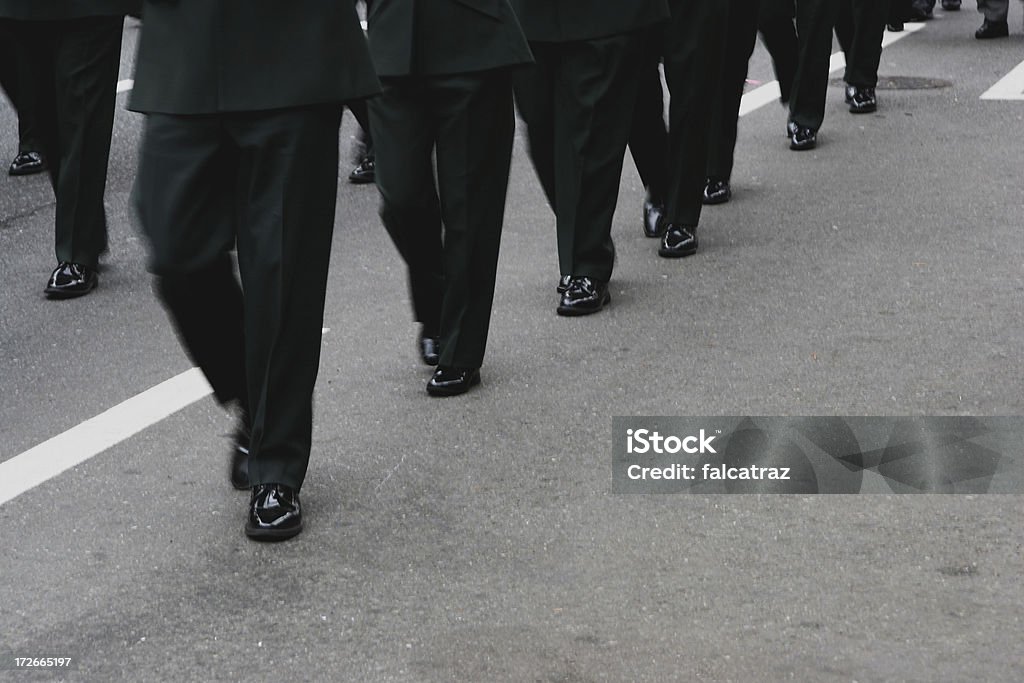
584,296
27,163
861,99
654,224
274,513
364,172
238,467
70,280
894,26
717,191
951,5
801,137
452,381
430,348
563,284
679,241
992,29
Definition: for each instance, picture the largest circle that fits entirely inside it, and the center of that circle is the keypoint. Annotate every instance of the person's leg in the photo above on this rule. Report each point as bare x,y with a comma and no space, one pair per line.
476,124
184,195
815,20
406,132
86,61
741,35
286,192
535,90
778,33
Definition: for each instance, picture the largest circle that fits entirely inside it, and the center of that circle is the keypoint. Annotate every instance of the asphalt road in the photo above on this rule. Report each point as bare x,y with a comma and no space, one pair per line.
477,538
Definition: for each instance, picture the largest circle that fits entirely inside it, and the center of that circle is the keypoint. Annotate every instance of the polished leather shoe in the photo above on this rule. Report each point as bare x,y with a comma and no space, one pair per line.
274,513
238,464
430,348
654,214
563,284
70,280
452,381
27,163
364,172
861,99
584,296
801,137
992,29
951,5
679,241
717,191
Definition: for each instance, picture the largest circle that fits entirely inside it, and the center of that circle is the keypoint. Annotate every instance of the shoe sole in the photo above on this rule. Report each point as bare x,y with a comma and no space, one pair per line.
361,181
575,312
863,110
802,147
441,393
273,535
712,201
20,173
670,253
65,294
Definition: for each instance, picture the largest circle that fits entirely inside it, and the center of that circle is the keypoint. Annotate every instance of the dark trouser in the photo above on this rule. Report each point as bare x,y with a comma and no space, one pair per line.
859,28
994,10
360,110
778,33
739,45
18,81
815,20
648,137
577,101
74,66
266,182
694,56
450,244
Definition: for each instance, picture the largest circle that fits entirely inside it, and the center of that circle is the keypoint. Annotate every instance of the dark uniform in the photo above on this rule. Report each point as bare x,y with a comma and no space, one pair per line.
746,19
693,50
241,148
815,20
577,102
859,28
17,80
74,51
444,66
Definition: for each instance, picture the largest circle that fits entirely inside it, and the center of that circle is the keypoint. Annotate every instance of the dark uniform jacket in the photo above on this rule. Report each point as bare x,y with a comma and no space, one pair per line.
51,10
214,56
436,37
562,21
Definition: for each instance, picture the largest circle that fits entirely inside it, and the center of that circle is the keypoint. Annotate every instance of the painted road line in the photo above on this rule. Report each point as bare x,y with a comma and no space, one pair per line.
78,444
125,85
1010,87
769,92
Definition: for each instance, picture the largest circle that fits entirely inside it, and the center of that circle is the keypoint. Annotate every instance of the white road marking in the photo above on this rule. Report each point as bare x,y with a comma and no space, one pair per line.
769,92
78,444
64,451
1010,87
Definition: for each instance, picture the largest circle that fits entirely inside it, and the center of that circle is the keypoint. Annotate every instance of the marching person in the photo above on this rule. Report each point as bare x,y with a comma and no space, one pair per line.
446,70
577,102
74,52
240,148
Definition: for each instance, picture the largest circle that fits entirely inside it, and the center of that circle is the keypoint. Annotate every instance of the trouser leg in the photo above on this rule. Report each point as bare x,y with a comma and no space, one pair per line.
815,20
476,124
85,61
402,124
741,34
694,57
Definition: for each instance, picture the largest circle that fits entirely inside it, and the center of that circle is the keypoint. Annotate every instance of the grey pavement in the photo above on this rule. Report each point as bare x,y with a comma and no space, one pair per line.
477,538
